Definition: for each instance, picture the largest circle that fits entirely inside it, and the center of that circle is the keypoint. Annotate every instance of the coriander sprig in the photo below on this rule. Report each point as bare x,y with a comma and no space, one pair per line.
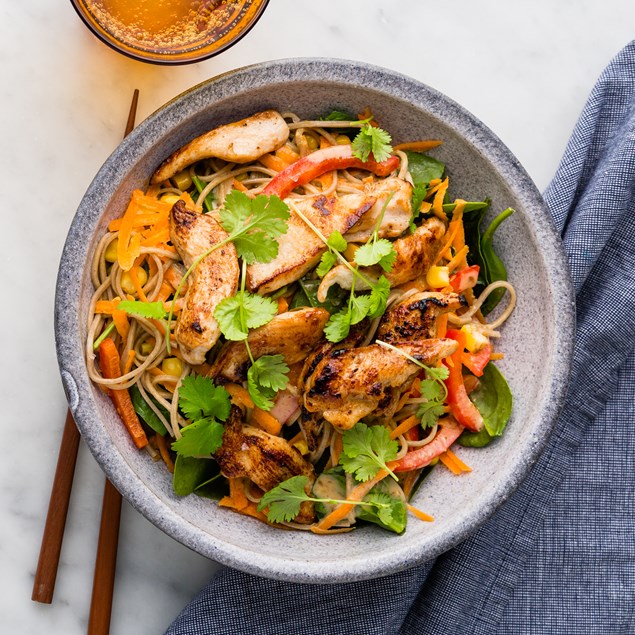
283,502
377,251
372,140
366,450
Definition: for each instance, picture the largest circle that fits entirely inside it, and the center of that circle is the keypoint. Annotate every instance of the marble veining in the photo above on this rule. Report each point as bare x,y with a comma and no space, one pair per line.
525,70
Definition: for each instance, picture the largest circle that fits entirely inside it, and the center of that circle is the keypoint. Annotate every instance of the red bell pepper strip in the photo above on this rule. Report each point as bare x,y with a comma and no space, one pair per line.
317,163
476,362
463,410
465,279
422,456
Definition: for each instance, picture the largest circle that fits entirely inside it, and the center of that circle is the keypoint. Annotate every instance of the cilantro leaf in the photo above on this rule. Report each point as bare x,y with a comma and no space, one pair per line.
439,373
435,392
380,251
384,510
239,313
154,310
339,325
253,224
379,297
200,398
265,377
366,450
201,438
372,140
337,241
359,306
327,262
338,115
284,500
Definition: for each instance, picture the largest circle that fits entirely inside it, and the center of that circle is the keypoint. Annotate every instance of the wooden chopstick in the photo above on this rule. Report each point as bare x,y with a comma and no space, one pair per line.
53,535
51,547
106,558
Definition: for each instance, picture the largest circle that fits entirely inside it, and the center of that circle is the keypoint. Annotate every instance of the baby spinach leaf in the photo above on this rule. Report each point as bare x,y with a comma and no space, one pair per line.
493,398
306,295
191,473
391,515
423,168
146,413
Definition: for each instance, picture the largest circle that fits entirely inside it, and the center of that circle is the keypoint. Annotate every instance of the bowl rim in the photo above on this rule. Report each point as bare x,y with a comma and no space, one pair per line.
70,350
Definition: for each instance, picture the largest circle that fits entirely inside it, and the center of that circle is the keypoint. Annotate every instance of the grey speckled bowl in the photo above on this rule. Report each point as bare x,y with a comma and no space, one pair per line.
537,340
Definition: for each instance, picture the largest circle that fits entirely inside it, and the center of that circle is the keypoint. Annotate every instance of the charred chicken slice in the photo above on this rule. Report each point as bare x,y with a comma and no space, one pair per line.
212,280
238,142
265,459
415,317
349,384
293,335
300,249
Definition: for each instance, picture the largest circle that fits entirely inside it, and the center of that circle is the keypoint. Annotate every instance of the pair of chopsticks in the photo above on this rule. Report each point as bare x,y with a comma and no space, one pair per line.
106,558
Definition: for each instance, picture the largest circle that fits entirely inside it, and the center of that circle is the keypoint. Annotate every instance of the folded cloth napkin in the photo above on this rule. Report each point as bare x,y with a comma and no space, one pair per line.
559,556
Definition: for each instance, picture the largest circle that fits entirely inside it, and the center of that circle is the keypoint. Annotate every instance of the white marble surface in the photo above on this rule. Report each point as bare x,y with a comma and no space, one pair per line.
525,68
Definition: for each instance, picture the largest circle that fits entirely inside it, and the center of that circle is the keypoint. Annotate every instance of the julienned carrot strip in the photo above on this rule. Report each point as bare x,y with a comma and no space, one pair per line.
133,273
162,445
453,463
338,444
237,185
495,356
425,207
239,395
128,243
129,361
237,492
107,306
357,494
287,154
159,235
251,509
266,421
457,216
273,162
283,304
457,461
442,325
110,365
419,514
418,146
151,203
458,258
404,426
165,292
140,220
120,318
451,233
327,532
437,204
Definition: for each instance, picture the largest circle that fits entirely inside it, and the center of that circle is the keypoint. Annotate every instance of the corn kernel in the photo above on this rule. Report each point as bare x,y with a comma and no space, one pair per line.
183,180
111,251
349,252
147,346
312,142
170,199
474,339
301,446
126,280
342,140
172,366
438,277
434,461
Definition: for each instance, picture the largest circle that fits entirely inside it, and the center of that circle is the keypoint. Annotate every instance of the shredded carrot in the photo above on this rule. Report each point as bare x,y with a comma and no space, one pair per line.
357,494
434,183
457,216
437,204
495,356
120,318
251,509
129,242
239,395
162,446
283,304
174,277
419,514
425,207
237,185
134,277
110,365
165,292
418,146
287,154
338,444
202,369
404,426
266,421
458,258
237,493
442,325
454,463
367,114
140,220
160,234
107,306
273,162
451,233
328,532
409,482
129,361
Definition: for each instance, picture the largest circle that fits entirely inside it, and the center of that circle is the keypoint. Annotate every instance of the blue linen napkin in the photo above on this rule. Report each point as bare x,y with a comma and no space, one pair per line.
559,556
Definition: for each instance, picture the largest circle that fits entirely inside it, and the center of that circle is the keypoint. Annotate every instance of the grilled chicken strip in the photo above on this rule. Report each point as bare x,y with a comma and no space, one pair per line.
265,459
300,249
293,335
415,317
238,142
347,385
214,279
415,254
397,214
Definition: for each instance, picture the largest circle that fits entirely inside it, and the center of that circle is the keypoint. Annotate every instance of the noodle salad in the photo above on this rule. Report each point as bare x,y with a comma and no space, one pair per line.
294,317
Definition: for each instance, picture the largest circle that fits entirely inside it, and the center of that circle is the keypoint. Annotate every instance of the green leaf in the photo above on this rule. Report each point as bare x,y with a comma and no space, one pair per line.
366,450
438,373
339,115
201,438
387,511
372,140
199,398
424,169
306,295
493,398
191,473
429,413
270,371
379,297
150,310
146,413
359,306
380,251
338,326
327,262
284,500
239,313
337,241
256,247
